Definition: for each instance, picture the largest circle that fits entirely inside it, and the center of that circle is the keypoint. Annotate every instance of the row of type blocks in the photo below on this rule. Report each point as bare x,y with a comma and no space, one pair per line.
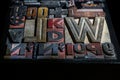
60,51
21,12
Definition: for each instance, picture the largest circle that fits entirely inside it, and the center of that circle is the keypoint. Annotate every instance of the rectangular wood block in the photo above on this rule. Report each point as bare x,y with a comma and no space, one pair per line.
74,12
51,51
16,35
86,30
94,50
31,13
55,30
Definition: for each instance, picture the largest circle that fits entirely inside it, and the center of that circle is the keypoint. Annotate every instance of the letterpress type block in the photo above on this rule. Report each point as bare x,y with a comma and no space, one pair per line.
94,50
43,12
95,31
16,51
16,35
33,33
58,13
79,50
69,51
31,13
17,16
109,51
56,30
51,51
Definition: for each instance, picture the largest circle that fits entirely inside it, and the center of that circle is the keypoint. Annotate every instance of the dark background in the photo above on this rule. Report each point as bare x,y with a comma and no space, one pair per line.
113,7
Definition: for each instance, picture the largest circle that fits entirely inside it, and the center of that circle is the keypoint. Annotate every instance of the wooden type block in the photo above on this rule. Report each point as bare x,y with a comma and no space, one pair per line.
42,12
29,50
94,31
80,50
51,51
77,13
55,30
69,51
109,51
17,16
15,51
16,35
29,34
94,50
58,13
31,13
29,31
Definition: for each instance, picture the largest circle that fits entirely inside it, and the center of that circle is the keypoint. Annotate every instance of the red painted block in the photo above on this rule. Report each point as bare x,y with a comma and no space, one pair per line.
69,51
18,25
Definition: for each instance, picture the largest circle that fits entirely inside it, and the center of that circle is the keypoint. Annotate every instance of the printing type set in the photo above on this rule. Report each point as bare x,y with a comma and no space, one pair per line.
59,29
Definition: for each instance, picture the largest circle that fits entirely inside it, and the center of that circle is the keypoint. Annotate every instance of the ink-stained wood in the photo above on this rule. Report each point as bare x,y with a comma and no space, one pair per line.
16,51
58,13
42,12
74,12
41,32
87,30
35,33
79,50
109,51
16,35
29,31
31,13
17,16
69,51
50,51
55,30
94,50
29,50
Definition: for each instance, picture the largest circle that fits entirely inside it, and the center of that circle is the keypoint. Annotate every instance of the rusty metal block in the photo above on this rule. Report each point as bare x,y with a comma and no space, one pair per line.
94,50
31,13
42,12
